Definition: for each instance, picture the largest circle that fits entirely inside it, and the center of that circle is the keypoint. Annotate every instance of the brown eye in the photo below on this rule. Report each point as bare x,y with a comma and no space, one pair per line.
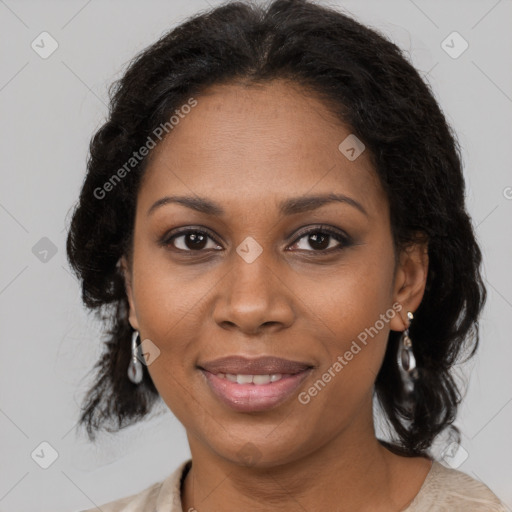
322,240
191,240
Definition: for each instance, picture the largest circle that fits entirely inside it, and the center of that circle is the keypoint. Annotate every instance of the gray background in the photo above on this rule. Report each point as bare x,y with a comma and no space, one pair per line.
50,109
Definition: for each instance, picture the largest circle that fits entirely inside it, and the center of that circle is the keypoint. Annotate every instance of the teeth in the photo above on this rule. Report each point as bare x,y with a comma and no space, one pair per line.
248,379
261,379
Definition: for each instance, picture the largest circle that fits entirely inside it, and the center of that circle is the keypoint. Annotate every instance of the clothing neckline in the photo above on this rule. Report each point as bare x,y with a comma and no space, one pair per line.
187,465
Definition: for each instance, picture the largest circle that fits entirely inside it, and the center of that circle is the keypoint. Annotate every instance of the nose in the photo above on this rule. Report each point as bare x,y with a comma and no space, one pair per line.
254,298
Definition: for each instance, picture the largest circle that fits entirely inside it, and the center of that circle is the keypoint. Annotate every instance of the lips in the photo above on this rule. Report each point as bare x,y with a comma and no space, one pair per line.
267,365
250,397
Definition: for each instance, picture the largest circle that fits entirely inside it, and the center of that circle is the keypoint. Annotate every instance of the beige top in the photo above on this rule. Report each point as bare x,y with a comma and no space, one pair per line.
444,490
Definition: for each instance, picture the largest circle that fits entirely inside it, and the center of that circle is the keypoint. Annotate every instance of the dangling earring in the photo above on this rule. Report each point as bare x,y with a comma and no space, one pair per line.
406,360
135,366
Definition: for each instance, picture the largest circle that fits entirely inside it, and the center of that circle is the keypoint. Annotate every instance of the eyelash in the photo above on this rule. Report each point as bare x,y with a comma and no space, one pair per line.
343,239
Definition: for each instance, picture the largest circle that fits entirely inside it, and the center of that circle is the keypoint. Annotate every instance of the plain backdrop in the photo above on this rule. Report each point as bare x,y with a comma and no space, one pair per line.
50,108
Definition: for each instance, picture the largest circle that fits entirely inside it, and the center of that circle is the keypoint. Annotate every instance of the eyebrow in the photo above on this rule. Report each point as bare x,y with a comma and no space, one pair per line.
286,207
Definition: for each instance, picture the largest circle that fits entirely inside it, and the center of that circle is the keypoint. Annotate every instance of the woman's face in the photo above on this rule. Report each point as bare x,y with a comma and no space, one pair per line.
248,280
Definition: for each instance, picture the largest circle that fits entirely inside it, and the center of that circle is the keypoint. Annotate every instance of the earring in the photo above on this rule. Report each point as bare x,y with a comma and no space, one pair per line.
406,360
135,366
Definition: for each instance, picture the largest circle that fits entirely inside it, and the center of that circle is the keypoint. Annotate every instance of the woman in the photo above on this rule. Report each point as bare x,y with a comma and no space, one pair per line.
274,215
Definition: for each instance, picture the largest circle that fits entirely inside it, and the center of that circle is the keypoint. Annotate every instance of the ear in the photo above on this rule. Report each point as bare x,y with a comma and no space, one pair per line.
125,269
410,281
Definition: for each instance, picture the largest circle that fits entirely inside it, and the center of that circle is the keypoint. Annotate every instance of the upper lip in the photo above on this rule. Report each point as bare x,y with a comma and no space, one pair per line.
266,365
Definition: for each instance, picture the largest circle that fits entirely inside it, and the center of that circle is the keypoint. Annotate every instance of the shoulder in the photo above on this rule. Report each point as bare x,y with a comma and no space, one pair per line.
447,489
144,500
164,495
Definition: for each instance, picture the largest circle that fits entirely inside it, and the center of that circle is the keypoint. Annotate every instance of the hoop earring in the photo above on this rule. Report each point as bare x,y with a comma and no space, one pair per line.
135,366
406,360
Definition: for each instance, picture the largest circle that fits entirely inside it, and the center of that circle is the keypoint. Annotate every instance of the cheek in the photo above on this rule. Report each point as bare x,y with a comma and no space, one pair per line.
346,377
170,305
168,298
356,293
357,311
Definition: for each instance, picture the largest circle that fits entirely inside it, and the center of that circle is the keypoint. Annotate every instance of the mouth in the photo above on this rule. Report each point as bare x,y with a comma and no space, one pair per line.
263,365
251,393
250,385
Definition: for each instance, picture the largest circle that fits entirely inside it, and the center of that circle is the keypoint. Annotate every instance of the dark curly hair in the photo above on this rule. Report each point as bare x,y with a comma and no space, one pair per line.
371,87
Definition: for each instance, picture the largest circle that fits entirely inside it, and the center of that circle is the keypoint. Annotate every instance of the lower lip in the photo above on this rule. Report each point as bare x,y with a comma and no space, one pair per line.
253,397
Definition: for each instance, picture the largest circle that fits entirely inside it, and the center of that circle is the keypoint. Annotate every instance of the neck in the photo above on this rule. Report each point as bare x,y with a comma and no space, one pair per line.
352,471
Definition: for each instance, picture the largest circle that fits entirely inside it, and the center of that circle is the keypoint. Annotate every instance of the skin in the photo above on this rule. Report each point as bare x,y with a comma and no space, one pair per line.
247,148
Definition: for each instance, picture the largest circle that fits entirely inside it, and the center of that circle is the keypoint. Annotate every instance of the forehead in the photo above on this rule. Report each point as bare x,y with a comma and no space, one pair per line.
257,143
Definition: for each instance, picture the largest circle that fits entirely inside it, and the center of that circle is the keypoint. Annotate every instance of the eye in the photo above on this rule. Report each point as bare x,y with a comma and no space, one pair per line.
322,239
191,240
